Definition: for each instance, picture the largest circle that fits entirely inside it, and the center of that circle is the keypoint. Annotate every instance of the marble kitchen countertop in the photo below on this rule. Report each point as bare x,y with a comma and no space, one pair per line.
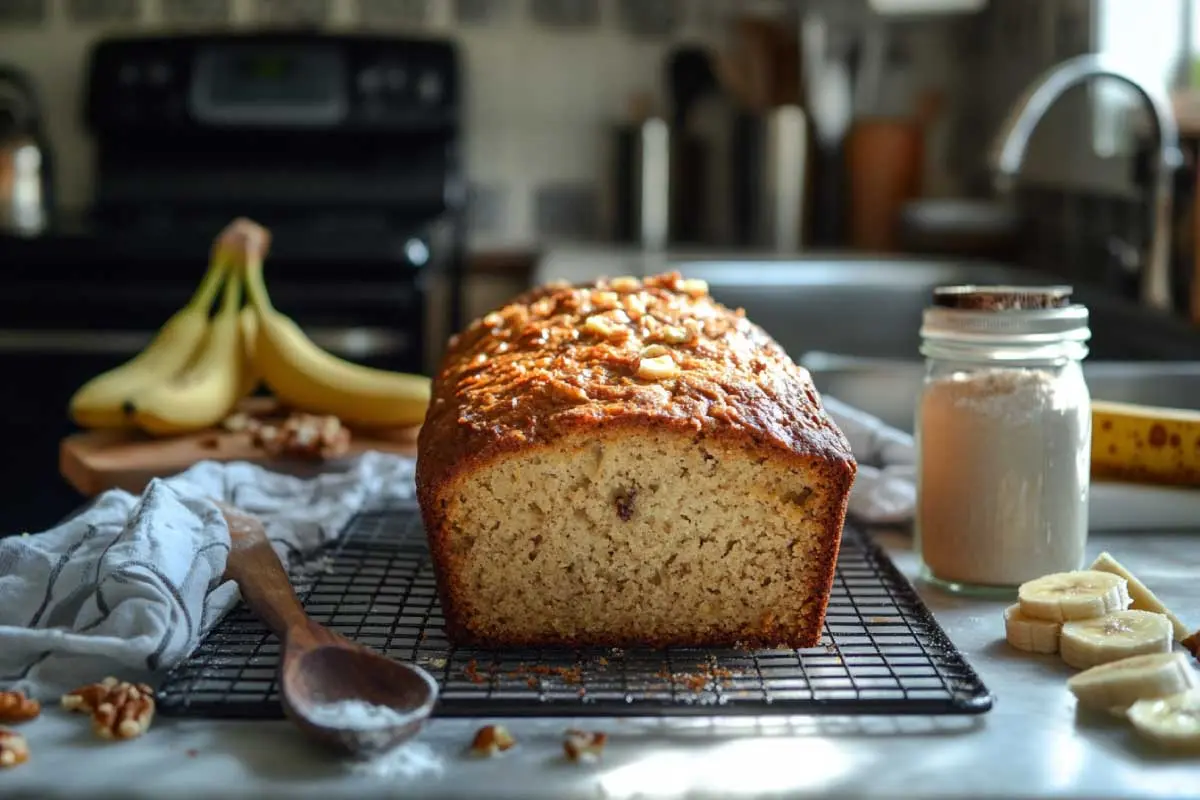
1029,745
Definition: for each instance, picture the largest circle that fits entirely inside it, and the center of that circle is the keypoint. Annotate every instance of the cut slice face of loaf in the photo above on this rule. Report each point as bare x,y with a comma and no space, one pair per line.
572,495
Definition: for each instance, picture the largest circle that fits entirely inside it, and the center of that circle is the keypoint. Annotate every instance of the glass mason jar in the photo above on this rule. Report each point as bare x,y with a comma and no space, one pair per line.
1003,434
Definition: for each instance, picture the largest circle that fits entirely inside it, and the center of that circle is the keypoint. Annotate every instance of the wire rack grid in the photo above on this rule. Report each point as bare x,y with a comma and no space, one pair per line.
882,652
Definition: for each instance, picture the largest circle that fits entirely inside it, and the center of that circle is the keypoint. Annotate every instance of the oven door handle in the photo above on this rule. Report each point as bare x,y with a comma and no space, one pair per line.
351,343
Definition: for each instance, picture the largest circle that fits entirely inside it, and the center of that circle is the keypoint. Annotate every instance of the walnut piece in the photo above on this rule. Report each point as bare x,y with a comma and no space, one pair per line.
306,436
657,368
13,748
635,306
605,300
492,739
1192,643
584,745
675,335
598,326
16,707
696,287
120,710
625,283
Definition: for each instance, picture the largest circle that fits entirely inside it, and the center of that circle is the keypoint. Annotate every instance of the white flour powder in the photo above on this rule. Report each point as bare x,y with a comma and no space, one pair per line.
374,723
357,715
1003,476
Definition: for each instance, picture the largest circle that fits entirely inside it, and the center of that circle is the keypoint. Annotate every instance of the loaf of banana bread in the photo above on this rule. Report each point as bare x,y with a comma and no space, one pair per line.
629,463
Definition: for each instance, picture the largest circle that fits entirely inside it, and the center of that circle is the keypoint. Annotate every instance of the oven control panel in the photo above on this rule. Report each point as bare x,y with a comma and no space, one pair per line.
272,81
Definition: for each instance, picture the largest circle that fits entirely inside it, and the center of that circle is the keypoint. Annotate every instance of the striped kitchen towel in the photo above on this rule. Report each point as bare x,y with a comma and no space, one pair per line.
885,489
130,586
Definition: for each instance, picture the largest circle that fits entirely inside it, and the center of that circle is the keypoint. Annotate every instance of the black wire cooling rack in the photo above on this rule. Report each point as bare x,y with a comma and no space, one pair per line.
882,651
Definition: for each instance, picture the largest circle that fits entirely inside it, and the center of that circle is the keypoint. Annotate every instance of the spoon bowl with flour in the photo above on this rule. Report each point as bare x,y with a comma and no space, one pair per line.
341,694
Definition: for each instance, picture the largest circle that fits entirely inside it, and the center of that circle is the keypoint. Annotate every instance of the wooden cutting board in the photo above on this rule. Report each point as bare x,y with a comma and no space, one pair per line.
95,461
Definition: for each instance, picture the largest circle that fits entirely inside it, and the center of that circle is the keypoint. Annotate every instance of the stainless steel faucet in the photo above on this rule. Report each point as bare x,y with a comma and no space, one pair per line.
1008,153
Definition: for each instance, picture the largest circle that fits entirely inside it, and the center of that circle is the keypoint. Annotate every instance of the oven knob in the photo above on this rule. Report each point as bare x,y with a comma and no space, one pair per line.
429,87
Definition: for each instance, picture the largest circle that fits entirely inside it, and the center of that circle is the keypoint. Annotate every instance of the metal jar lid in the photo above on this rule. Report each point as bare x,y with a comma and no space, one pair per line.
1005,314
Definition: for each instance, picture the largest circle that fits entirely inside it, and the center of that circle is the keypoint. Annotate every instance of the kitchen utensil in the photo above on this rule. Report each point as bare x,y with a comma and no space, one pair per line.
830,105
872,64
320,668
690,78
770,159
95,461
25,177
885,163
875,623
695,103
755,55
643,177
884,158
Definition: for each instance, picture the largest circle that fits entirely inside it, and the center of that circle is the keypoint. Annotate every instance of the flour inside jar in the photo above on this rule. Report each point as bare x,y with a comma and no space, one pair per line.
1003,475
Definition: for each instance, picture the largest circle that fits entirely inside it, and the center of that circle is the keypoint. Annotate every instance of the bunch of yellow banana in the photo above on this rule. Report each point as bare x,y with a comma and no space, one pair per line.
305,377
189,377
197,368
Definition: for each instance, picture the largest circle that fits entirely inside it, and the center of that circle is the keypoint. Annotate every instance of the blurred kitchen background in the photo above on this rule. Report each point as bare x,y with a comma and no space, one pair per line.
418,160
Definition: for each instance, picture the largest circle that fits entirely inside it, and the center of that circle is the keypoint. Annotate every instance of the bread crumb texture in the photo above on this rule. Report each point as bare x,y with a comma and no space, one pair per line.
579,489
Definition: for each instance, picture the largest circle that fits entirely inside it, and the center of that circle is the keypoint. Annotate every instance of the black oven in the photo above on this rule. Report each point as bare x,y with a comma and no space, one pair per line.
348,147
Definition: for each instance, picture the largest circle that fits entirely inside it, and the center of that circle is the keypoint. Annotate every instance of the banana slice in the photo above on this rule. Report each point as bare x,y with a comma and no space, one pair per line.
1172,721
1119,684
1143,598
1087,642
1028,634
1073,595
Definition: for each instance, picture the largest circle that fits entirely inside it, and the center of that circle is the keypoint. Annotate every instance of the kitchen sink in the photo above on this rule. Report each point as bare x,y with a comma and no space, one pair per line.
871,308
888,389
854,322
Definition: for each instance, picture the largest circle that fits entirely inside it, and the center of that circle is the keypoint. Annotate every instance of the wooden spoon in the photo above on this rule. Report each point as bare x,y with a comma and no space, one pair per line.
321,668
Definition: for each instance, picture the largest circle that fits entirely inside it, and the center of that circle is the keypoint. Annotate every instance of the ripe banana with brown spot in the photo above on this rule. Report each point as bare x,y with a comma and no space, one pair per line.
103,402
205,391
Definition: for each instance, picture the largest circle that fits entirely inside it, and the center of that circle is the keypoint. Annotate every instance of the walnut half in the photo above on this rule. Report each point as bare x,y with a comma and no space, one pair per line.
584,745
492,739
306,436
120,710
13,748
16,707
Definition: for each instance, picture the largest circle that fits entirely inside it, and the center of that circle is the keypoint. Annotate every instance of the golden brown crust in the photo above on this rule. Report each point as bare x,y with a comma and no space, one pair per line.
564,360
537,369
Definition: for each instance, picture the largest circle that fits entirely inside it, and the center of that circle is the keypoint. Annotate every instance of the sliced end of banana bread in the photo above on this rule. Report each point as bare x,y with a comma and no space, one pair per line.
640,537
